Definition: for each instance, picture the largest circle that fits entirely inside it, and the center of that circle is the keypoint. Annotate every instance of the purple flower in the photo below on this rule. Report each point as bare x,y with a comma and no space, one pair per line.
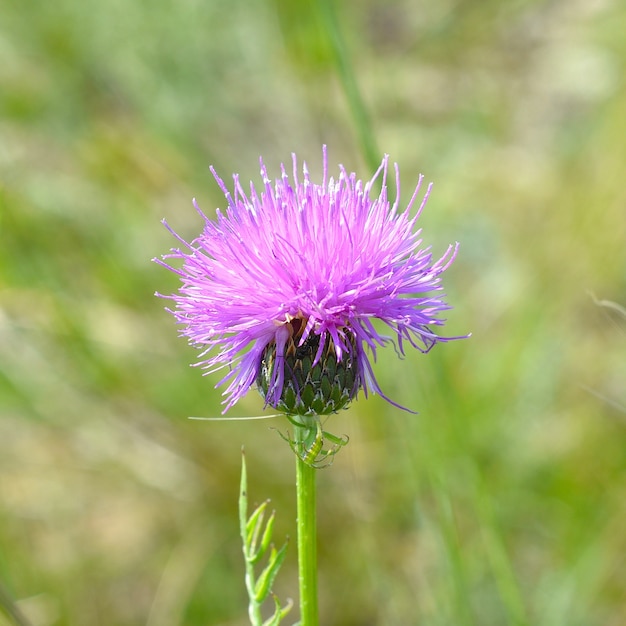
283,287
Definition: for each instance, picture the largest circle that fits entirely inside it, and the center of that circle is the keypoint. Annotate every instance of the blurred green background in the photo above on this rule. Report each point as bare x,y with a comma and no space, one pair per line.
504,500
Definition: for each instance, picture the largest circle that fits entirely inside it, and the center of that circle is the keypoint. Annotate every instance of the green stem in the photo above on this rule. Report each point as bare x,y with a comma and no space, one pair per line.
307,534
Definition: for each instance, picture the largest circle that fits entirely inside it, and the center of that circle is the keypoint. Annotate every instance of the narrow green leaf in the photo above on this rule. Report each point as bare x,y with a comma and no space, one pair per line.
254,525
266,540
279,612
266,579
347,77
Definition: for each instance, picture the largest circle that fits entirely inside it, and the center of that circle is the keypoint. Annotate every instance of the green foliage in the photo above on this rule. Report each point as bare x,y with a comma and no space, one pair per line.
257,540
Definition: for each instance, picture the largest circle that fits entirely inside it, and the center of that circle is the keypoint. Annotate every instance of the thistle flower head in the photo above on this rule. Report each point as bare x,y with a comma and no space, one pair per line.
282,288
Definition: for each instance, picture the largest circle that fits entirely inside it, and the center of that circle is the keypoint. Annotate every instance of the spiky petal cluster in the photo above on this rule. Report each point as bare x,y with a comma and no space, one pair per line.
326,259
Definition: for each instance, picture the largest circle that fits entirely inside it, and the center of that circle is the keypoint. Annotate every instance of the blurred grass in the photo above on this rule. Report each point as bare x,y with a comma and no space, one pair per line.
502,502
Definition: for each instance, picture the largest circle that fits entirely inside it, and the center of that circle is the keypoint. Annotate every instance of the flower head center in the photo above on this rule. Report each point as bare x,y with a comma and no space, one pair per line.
309,378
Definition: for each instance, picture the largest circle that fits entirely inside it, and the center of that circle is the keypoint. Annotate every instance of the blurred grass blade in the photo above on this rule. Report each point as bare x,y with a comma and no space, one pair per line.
447,528
349,83
7,603
504,575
